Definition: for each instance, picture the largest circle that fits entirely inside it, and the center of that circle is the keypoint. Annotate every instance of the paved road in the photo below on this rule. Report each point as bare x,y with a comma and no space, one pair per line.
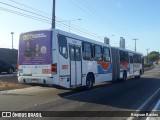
129,96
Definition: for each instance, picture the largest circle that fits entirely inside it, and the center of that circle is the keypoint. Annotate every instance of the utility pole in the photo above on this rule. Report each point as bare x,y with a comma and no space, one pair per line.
53,15
147,55
12,39
135,43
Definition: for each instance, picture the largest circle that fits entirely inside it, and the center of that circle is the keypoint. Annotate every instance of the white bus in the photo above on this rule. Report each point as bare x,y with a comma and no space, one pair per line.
68,60
126,64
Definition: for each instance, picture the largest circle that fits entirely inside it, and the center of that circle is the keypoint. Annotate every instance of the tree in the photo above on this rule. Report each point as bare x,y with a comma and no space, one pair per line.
153,56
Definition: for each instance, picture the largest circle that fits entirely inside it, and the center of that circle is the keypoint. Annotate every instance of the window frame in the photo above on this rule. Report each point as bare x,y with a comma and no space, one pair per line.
59,40
71,54
80,54
101,58
131,59
91,51
125,56
106,54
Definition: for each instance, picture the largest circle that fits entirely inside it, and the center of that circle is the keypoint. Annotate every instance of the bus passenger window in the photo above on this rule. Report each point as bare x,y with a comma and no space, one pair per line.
87,51
139,59
124,57
63,46
131,59
98,53
106,54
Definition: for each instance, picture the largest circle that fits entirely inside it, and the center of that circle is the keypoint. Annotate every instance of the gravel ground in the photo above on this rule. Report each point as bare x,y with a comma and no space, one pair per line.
9,83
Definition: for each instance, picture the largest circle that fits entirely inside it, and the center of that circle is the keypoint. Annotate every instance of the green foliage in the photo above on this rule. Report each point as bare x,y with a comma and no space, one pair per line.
153,56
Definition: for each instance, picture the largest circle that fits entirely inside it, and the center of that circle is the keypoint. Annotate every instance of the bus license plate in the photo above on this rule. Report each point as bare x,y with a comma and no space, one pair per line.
34,81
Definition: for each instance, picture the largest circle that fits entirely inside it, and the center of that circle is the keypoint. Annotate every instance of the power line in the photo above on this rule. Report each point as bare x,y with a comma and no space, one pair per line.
80,28
40,19
107,19
49,22
46,20
25,15
79,31
29,16
99,17
83,8
24,10
94,15
26,6
103,19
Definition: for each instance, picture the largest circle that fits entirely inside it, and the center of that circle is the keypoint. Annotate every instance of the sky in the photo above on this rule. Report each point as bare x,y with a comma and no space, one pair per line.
94,19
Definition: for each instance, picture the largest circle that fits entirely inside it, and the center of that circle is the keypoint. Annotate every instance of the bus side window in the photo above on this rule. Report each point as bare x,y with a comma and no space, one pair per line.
106,54
122,56
63,46
98,53
135,58
139,59
126,57
131,59
87,51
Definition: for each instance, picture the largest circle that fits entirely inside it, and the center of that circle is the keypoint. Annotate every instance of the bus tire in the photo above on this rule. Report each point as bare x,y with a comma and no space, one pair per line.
140,73
89,82
139,76
124,76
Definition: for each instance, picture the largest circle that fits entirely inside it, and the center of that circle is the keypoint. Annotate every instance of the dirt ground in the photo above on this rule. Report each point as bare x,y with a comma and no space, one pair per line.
8,83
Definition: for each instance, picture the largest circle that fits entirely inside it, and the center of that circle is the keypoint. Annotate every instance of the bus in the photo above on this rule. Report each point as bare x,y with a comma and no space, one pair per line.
56,57
126,64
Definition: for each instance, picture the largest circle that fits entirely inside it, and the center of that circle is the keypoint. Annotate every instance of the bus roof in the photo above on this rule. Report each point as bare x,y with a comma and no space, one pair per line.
128,50
71,35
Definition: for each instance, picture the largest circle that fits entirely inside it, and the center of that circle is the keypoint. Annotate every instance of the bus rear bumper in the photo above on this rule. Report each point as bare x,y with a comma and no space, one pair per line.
37,80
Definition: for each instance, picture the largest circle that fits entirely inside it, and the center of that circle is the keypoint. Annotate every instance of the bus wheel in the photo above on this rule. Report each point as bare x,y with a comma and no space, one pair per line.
140,73
89,82
139,76
124,76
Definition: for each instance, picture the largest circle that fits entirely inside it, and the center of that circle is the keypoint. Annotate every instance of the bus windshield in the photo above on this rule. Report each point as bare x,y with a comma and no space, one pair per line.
35,48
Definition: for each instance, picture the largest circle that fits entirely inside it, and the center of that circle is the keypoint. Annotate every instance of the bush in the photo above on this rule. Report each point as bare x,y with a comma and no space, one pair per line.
147,65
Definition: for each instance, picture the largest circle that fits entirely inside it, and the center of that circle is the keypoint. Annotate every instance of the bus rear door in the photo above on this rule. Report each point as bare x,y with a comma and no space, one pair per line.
75,64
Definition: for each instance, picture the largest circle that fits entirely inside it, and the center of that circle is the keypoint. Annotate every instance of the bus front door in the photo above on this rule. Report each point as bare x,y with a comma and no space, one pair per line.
75,65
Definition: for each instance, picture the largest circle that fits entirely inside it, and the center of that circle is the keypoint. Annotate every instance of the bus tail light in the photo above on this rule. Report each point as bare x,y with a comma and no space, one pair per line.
54,68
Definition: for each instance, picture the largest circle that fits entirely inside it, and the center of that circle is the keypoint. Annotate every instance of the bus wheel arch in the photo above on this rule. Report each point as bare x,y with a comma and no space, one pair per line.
90,80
